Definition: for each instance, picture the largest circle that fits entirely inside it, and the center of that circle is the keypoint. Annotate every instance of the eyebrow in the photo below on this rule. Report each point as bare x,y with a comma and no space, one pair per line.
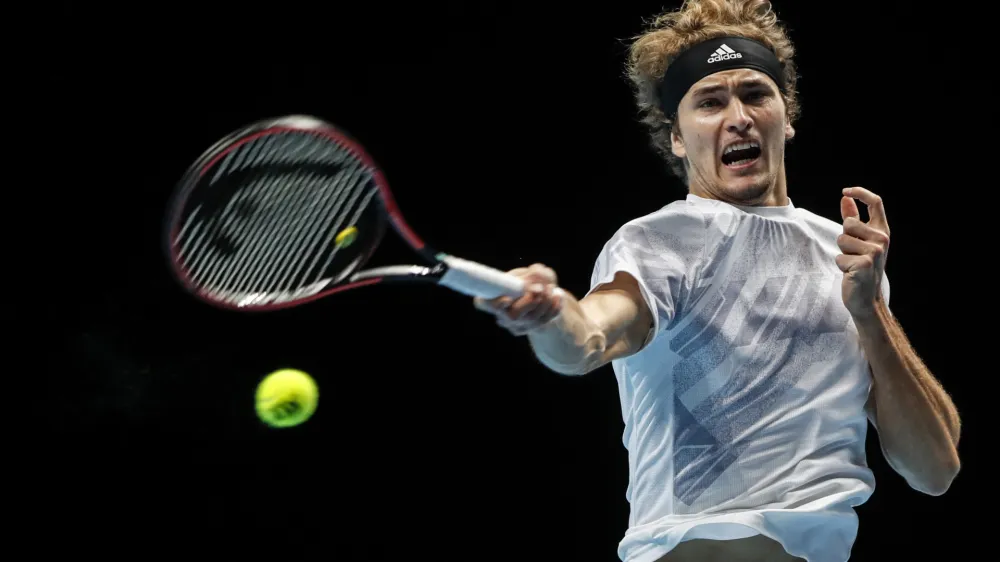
744,85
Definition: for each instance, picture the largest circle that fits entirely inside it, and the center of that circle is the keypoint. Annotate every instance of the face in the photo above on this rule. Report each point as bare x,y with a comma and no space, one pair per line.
733,131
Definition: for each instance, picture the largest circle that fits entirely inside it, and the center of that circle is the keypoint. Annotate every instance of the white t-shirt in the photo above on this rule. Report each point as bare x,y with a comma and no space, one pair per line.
744,414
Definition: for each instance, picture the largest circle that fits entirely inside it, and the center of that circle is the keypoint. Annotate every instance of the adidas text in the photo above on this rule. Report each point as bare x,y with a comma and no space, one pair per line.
727,56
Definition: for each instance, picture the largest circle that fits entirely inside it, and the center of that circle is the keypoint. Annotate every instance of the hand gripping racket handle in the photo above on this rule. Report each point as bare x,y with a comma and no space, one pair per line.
478,280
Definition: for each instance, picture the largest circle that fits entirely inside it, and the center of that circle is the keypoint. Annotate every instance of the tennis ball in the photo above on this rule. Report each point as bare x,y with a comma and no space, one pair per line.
346,237
286,398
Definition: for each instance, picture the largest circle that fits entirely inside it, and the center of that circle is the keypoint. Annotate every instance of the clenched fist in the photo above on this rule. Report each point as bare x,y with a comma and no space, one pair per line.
541,302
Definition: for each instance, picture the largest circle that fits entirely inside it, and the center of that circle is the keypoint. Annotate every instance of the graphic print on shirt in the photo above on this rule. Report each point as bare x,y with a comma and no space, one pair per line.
766,352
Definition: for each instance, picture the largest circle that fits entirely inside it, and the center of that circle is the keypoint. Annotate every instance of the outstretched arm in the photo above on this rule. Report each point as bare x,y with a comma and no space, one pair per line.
609,323
570,336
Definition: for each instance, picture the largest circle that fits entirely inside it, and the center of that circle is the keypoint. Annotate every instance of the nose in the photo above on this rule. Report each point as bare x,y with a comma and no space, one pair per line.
738,120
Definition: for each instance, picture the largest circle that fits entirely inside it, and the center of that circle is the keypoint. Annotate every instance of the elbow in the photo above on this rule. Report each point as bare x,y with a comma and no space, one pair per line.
570,370
565,370
938,481
576,369
577,360
935,488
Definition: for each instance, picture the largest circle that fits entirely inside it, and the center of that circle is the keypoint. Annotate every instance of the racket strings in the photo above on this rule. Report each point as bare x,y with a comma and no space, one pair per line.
288,243
200,250
276,232
226,229
268,231
280,148
335,196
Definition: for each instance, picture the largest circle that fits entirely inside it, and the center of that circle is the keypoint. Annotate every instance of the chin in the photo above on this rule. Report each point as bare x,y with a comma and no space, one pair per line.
749,189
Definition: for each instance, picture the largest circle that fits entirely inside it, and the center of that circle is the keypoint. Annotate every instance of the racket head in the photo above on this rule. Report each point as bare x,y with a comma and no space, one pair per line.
253,223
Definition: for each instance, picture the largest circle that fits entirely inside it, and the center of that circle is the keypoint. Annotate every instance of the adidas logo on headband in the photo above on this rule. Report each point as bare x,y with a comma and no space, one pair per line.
724,53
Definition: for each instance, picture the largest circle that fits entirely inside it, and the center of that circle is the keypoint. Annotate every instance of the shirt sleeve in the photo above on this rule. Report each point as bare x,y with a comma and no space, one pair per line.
656,264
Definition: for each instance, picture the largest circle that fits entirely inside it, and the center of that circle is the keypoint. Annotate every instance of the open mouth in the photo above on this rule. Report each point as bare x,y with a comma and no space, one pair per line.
741,154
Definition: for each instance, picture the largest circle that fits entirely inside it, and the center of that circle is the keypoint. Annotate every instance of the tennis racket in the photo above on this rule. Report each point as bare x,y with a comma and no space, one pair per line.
288,210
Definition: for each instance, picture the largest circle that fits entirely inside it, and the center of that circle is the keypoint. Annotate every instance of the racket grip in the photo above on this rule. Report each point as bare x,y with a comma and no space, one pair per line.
478,280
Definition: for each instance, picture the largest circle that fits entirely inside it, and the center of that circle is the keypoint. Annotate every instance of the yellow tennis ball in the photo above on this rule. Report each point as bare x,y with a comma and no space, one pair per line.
286,398
346,236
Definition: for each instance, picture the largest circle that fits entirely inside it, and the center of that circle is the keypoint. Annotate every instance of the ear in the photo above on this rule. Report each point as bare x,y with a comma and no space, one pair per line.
677,145
789,130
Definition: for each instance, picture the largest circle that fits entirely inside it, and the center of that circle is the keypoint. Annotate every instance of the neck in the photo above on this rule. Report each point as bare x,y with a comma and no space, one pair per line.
775,195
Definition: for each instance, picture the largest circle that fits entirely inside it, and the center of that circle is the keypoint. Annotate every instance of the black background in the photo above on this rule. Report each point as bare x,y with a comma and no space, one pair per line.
509,135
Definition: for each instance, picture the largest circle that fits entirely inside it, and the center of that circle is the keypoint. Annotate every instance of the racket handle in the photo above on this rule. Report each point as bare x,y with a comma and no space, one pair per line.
478,280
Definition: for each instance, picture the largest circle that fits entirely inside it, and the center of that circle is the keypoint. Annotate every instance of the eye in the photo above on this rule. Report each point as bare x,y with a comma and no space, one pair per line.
710,102
755,95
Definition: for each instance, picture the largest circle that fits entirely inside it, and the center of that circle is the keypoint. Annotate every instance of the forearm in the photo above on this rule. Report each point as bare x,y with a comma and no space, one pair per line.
917,422
941,403
570,344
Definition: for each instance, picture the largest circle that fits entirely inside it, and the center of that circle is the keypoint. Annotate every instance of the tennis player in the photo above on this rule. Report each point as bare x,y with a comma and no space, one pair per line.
751,339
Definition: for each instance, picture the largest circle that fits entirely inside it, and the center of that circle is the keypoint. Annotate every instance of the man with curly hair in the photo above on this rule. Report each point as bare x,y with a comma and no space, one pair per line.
751,339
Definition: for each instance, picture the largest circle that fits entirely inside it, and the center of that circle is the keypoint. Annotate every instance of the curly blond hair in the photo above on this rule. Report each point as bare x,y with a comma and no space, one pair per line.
671,33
